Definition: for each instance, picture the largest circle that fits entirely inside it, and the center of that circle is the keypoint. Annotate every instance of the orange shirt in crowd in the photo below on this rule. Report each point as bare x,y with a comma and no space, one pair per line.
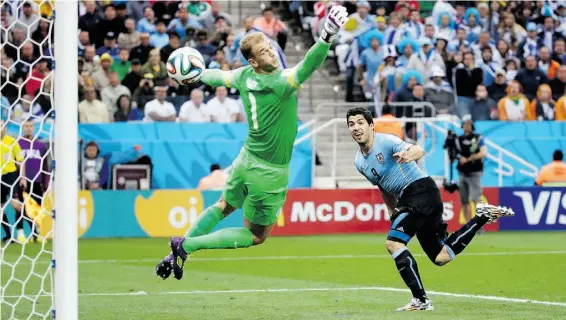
215,180
392,127
272,28
560,109
552,173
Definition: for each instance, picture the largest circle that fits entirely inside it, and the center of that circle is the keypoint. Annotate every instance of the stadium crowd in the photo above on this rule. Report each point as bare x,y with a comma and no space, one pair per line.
493,60
123,48
500,60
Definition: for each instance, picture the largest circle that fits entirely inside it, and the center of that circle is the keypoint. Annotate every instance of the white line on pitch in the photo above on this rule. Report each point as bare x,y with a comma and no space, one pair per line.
345,256
284,290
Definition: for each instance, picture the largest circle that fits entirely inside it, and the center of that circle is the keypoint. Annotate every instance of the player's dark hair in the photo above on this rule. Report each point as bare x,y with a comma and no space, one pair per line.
214,167
386,109
360,111
558,155
267,9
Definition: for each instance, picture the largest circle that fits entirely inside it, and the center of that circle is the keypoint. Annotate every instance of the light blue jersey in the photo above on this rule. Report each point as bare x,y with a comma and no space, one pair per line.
382,170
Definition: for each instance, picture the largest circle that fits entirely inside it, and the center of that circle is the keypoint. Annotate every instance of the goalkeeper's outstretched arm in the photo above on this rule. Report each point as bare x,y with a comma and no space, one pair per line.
218,78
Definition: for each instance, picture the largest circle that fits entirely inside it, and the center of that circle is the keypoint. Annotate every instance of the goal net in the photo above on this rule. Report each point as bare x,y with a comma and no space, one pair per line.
30,273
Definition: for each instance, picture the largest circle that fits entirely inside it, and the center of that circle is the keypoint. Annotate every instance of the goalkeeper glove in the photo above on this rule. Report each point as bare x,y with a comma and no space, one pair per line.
335,20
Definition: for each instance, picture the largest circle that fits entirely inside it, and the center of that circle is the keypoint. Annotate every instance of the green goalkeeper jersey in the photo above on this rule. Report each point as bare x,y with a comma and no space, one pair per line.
270,103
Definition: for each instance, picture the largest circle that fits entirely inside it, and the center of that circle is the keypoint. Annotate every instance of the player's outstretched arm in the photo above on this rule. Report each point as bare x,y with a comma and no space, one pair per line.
314,58
219,78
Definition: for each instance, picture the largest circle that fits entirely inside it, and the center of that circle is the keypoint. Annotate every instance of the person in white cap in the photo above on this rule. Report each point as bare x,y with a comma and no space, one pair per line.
426,59
384,80
440,93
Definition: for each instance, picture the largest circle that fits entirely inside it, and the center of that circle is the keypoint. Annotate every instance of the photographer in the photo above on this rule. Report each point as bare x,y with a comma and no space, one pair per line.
471,154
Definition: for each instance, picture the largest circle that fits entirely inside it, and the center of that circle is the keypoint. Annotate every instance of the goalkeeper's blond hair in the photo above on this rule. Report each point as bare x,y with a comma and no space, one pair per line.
249,41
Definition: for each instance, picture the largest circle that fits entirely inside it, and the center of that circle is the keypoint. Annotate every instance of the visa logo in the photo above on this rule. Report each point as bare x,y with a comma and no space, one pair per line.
551,202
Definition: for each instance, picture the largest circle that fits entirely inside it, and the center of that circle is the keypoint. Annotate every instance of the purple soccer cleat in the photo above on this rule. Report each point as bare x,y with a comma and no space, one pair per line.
179,256
165,267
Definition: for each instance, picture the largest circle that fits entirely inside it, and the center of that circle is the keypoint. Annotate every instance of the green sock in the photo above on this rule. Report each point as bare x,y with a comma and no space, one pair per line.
205,222
229,238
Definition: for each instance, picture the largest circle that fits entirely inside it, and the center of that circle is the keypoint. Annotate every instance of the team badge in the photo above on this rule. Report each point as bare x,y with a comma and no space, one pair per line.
380,158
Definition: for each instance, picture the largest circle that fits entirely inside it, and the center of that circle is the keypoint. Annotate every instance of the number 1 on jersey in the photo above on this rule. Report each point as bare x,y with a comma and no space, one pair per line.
253,110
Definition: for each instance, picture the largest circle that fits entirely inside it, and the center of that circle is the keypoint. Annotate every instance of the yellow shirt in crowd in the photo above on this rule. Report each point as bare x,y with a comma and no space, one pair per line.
10,151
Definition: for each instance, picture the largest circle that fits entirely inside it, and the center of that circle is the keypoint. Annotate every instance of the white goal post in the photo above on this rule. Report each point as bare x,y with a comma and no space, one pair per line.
65,245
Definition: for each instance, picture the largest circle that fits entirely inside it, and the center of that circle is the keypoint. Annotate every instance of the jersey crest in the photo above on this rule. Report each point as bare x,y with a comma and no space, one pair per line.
251,84
380,158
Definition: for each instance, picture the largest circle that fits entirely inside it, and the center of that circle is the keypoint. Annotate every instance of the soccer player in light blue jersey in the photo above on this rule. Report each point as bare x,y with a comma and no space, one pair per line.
414,203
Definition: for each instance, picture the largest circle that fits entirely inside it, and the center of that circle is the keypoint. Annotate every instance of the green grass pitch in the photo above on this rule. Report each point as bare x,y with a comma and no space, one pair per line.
322,277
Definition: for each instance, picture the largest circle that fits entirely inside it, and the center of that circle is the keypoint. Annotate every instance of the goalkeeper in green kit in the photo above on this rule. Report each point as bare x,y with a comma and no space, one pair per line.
260,174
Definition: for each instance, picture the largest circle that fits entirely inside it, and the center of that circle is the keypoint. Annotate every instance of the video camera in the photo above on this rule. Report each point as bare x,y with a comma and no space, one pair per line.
452,149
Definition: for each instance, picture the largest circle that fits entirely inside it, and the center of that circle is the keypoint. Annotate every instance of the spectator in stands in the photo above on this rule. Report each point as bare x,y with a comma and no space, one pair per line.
426,60
141,52
215,13
414,27
159,109
394,31
531,44
123,65
94,168
221,108
155,66
546,64
109,94
389,126
159,39
497,90
92,110
12,46
542,108
559,51
183,22
468,77
147,23
504,50
133,78
216,180
510,31
109,46
549,35
131,37
90,20
370,60
8,79
558,84
27,108
440,93
136,9
272,26
39,73
25,62
204,47
531,77
410,79
484,41
174,44
28,18
100,76
514,106
418,94
145,91
218,61
125,112
84,41
110,23
488,66
195,109
483,107
445,26
554,173
221,32
384,81
89,63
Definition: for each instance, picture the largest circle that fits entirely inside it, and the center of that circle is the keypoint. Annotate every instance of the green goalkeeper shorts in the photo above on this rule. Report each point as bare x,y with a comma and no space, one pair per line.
258,187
